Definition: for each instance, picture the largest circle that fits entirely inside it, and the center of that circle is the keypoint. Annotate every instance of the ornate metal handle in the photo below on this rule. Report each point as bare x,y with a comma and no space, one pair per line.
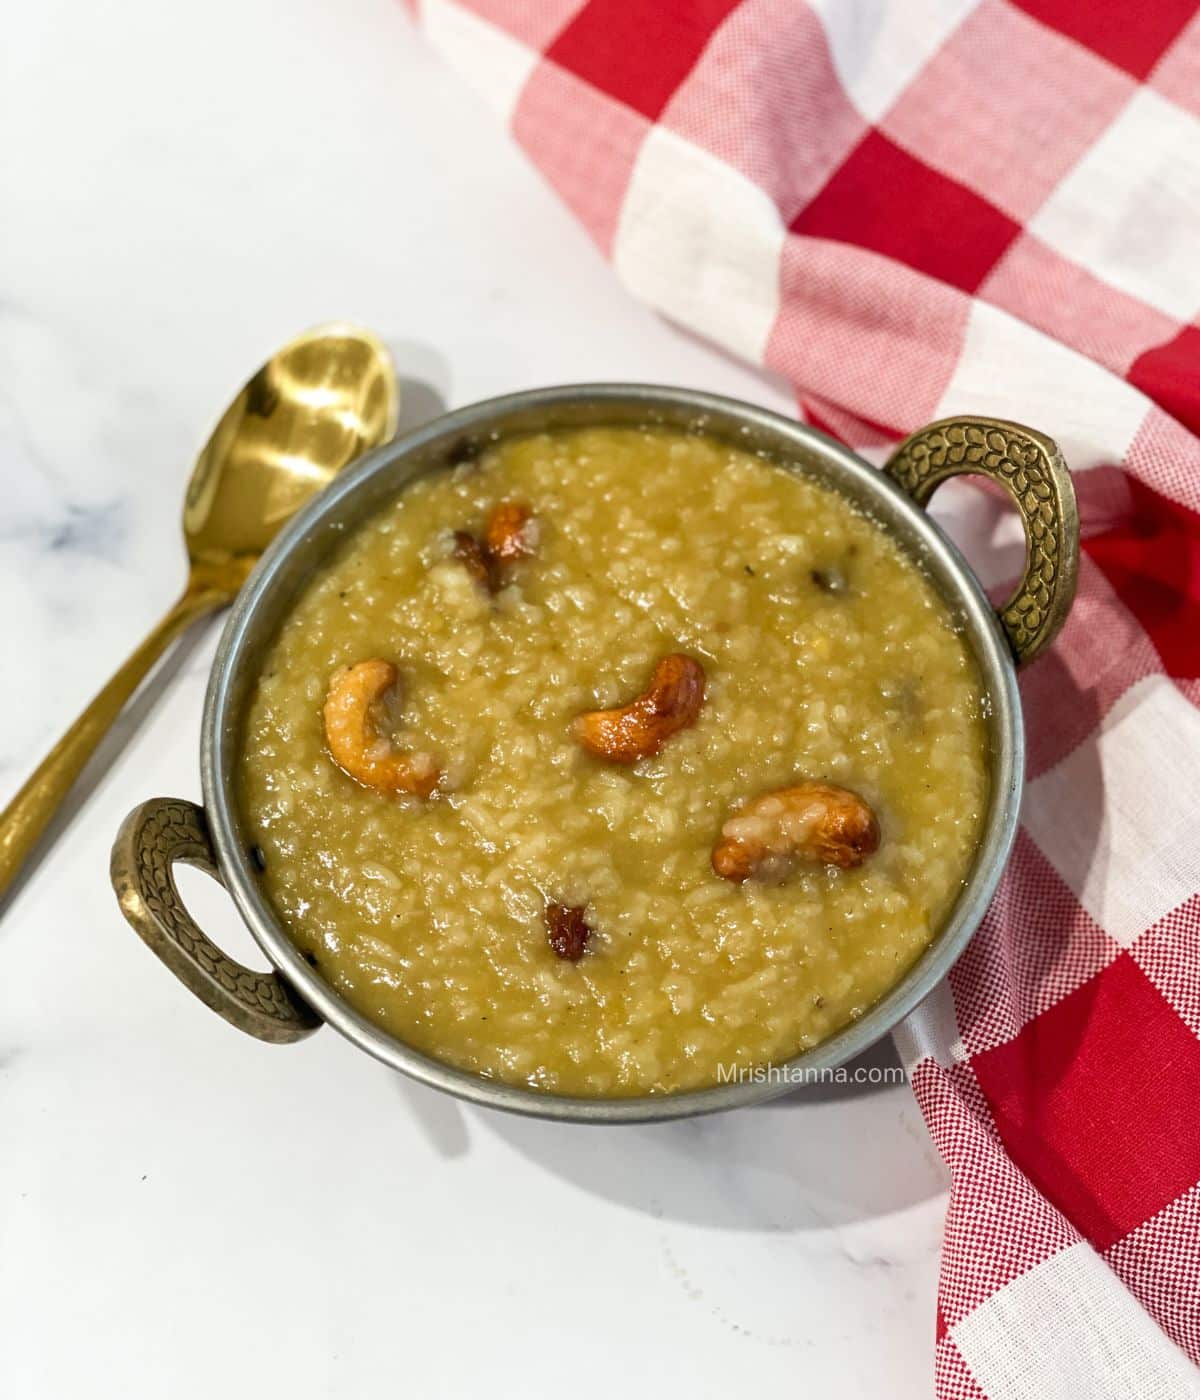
152,838
1031,469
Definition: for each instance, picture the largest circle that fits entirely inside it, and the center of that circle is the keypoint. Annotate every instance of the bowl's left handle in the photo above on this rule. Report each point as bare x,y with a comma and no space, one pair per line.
152,838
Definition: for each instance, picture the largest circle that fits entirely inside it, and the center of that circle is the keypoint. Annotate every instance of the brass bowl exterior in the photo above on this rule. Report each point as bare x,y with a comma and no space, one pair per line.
310,538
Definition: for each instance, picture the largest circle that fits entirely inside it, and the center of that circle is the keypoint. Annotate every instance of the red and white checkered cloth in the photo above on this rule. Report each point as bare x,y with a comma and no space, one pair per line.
913,208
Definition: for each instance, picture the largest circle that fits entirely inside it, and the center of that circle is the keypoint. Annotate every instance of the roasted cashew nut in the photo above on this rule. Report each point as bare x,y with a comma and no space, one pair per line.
354,710
476,560
641,728
812,821
512,532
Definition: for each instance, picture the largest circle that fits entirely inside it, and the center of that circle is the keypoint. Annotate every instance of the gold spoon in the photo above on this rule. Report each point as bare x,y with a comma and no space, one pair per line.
321,401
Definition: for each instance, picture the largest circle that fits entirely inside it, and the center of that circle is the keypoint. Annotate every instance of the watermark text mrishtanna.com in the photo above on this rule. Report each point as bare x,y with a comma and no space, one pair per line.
795,1075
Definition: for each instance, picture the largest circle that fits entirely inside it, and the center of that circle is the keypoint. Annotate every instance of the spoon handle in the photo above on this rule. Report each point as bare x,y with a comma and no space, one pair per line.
29,813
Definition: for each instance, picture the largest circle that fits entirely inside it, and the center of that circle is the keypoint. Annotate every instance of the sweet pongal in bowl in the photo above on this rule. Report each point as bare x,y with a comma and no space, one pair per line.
614,761
610,752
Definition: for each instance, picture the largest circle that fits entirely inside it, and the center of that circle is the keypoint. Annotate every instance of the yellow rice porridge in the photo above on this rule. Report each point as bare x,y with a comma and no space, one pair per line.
630,902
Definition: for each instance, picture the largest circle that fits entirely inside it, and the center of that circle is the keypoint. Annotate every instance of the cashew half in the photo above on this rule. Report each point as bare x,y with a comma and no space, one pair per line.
641,728
354,712
475,558
812,821
512,532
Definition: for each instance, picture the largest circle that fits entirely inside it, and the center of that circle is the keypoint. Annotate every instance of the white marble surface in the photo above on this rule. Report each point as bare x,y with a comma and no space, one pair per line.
186,1212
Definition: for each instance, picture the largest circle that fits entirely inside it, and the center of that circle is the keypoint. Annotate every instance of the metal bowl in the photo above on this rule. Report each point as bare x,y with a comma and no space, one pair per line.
292,1000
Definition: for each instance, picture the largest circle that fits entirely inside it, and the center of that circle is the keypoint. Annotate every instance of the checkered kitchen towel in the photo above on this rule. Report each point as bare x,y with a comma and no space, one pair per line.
913,208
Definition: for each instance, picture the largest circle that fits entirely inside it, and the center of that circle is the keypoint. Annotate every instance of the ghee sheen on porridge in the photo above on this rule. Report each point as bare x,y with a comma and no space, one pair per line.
616,904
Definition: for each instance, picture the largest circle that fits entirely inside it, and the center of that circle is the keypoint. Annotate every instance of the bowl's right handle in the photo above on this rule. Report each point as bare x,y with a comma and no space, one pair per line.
1031,469
152,838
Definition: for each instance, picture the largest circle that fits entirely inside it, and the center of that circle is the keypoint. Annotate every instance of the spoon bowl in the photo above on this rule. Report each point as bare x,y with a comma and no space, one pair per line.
322,401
